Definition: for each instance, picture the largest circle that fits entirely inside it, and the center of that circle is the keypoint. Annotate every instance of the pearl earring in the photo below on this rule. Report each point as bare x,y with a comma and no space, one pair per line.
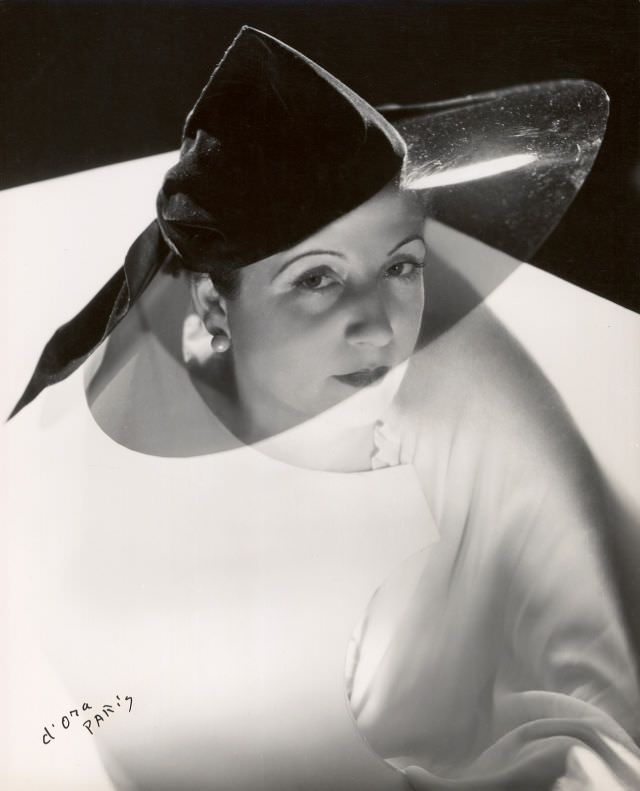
220,343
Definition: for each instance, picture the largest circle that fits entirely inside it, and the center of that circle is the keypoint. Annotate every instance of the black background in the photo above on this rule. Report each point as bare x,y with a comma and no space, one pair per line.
90,83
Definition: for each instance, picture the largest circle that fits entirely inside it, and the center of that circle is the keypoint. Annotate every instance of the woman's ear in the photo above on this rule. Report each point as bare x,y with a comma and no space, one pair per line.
209,305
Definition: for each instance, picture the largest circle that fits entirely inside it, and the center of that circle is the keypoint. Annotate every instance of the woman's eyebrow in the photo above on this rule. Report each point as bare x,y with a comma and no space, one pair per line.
306,253
415,238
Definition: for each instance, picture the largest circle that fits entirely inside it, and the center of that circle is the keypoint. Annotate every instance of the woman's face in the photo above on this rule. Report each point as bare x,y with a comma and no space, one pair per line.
318,322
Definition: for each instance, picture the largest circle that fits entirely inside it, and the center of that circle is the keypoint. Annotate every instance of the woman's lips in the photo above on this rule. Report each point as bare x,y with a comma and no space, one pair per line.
363,378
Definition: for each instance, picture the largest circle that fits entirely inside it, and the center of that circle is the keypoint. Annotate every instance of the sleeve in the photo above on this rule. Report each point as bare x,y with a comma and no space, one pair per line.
566,678
561,700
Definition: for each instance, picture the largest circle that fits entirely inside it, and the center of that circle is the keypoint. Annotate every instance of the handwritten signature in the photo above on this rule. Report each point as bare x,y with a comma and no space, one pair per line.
94,721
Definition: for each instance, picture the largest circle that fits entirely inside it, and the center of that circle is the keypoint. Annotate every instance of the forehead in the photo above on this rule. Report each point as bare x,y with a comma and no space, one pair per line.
389,216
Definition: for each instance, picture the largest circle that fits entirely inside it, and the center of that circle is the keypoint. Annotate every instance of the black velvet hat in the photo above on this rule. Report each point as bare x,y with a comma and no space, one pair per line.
276,148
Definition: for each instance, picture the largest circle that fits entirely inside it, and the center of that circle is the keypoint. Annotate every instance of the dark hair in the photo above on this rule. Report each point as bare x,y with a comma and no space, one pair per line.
225,277
226,280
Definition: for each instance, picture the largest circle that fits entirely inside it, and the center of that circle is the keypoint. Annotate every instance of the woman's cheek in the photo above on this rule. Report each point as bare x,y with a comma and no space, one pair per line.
408,307
288,332
311,323
310,305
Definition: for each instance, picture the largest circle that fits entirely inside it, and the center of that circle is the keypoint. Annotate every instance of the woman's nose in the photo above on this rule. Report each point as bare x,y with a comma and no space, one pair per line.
368,321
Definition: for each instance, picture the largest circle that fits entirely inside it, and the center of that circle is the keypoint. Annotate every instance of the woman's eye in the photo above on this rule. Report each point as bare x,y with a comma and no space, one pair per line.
315,281
403,269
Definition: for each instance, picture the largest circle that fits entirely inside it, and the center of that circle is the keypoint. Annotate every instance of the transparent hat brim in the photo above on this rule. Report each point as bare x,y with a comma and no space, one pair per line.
503,166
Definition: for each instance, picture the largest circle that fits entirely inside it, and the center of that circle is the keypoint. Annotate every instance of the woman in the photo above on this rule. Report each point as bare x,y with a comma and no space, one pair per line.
313,446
